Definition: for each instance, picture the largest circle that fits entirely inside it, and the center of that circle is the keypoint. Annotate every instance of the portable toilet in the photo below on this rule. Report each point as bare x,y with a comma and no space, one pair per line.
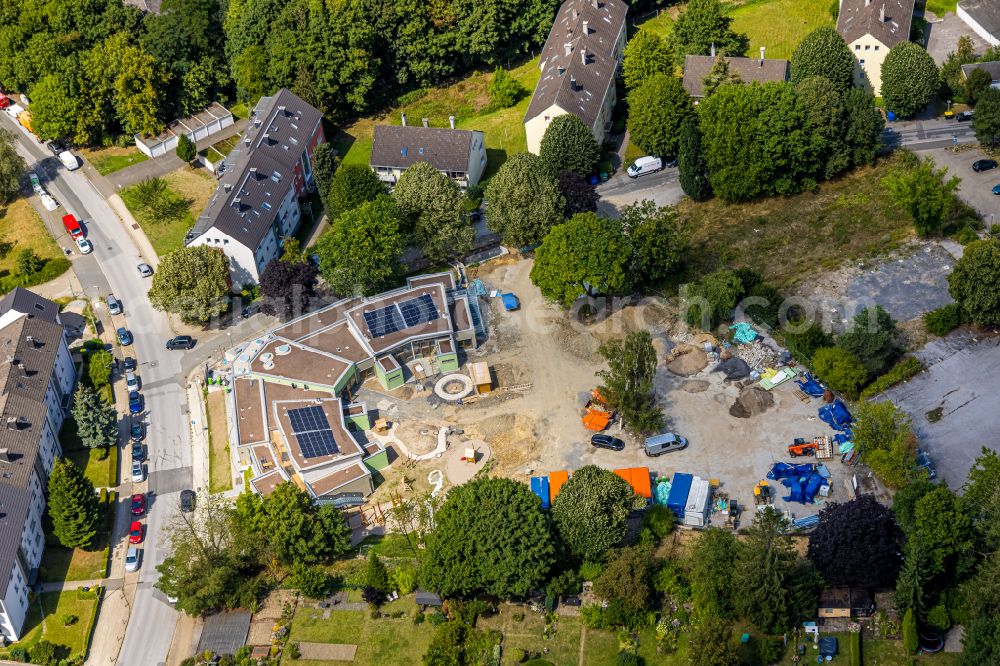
680,487
540,486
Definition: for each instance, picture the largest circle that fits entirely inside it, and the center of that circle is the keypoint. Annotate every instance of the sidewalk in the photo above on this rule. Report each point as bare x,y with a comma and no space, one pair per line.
199,434
109,583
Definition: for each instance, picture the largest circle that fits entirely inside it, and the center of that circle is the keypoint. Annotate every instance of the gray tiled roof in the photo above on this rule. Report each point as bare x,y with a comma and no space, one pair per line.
992,68
578,68
888,21
279,130
27,302
697,67
14,503
984,12
398,146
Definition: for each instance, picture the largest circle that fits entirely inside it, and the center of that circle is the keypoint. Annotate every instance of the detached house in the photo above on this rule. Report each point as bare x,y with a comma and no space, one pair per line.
257,202
579,63
36,382
871,28
983,16
763,70
458,154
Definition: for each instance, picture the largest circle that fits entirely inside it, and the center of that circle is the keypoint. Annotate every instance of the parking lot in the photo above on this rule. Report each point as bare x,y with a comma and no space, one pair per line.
976,188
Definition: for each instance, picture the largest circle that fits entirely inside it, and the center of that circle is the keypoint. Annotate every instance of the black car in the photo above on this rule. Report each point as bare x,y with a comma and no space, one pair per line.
181,342
138,453
964,117
137,432
129,363
56,147
984,165
607,442
187,501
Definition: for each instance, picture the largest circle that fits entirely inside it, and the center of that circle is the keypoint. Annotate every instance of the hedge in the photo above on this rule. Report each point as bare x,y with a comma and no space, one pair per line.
855,648
98,593
943,320
906,368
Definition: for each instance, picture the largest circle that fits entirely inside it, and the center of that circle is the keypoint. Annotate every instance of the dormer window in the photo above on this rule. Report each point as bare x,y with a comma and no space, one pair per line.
275,176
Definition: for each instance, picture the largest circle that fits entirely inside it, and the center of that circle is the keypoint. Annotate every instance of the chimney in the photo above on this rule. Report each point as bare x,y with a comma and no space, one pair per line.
583,56
403,117
586,28
596,4
425,121
868,2
30,340
762,56
576,14
5,455
881,14
11,423
572,83
712,52
451,121
568,47
562,70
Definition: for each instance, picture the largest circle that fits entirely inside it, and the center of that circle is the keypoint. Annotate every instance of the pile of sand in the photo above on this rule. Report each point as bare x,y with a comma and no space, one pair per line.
691,362
753,401
695,386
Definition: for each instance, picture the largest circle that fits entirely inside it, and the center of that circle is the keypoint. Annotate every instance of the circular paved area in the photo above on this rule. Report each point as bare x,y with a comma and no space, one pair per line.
453,387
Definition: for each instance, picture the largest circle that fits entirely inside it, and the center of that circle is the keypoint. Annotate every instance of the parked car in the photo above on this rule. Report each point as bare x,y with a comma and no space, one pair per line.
607,442
84,245
187,500
138,473
138,452
996,189
643,166
114,305
56,147
129,363
666,443
132,559
137,432
964,116
124,337
138,504
134,402
145,270
131,381
69,160
181,342
135,532
984,165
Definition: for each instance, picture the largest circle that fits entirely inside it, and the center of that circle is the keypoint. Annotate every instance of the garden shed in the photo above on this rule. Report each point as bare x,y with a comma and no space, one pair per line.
425,598
480,373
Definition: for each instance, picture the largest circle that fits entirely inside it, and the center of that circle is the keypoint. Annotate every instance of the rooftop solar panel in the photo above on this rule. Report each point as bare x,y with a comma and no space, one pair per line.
384,321
419,310
312,431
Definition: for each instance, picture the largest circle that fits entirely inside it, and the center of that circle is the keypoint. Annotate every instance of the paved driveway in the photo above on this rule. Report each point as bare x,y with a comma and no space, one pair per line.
977,188
944,34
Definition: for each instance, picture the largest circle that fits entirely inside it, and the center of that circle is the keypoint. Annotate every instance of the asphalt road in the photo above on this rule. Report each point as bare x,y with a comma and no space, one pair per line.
112,268
918,135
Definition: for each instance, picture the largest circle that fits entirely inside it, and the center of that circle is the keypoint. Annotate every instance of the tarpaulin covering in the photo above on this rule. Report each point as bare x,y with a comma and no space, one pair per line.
828,646
743,332
510,302
802,489
540,486
836,415
785,471
810,386
662,492
733,368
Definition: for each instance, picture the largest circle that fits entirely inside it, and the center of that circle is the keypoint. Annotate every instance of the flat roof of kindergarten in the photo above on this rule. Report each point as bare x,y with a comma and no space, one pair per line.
299,364
338,339
347,446
267,482
264,457
446,280
437,326
249,410
297,329
339,478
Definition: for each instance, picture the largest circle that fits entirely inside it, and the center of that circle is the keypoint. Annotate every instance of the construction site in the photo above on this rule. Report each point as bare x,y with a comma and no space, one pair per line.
506,384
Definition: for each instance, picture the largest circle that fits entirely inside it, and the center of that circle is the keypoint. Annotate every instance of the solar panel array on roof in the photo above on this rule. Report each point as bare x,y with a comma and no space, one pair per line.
400,316
312,431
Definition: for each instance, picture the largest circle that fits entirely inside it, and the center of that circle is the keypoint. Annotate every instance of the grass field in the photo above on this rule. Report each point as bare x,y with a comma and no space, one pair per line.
192,186
111,159
21,229
44,621
940,7
467,100
790,238
220,472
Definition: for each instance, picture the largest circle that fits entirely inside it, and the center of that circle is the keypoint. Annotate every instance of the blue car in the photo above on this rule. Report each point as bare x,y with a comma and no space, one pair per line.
996,189
134,402
124,337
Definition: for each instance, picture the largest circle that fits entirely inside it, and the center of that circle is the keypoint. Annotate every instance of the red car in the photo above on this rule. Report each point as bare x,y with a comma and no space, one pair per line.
135,532
138,504
4,101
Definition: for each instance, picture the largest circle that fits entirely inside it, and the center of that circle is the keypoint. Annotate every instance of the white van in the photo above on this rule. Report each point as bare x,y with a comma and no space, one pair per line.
69,160
645,165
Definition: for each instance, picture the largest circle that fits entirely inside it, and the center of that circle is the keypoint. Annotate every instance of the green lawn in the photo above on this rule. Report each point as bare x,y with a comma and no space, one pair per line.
68,564
661,24
44,621
220,477
467,101
114,158
22,229
940,7
382,642
102,472
239,111
187,188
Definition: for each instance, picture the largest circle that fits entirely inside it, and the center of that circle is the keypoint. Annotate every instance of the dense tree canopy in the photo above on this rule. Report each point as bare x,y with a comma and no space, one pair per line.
658,236
350,186
872,339
986,122
704,24
822,107
646,55
524,201
909,79
627,581
823,52
591,510
883,434
692,170
856,543
569,145
975,282
657,109
434,207
301,532
712,594
12,167
192,282
491,537
72,505
360,252
288,286
580,195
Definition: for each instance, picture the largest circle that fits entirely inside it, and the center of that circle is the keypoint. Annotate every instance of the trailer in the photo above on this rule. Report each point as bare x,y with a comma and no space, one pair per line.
680,487
698,506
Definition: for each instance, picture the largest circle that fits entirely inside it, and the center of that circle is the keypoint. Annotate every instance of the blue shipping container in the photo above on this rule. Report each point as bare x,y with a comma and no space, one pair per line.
540,486
679,489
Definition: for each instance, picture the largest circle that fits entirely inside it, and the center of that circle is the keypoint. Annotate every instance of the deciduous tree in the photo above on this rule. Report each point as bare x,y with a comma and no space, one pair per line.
524,201
579,194
96,421
646,55
712,644
72,505
823,52
658,237
491,536
12,167
627,384
974,283
54,106
585,255
976,84
822,107
943,530
192,282
909,79
569,145
627,580
981,496
872,339
712,594
981,641
924,192
692,170
591,511
883,434
840,369
856,543
434,207
505,91
288,287
360,252
300,532
702,25
99,367
351,186
986,122
657,109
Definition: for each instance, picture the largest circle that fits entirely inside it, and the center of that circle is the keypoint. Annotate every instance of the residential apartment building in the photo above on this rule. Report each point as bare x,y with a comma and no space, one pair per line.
871,28
458,154
36,383
579,63
257,202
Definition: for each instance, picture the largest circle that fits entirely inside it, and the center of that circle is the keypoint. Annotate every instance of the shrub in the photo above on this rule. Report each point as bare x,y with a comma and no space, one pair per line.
660,520
68,619
910,632
186,150
437,618
627,659
404,580
943,320
505,91
28,262
418,616
840,369
803,345
938,617
518,655
591,570
769,650
44,653
293,650
906,368
312,581
99,368
18,654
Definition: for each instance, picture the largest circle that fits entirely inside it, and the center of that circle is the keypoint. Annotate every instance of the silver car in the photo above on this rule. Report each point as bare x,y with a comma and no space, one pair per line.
114,305
145,270
660,444
132,556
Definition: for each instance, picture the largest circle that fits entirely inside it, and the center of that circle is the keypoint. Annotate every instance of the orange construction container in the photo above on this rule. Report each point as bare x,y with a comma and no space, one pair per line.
639,479
556,479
